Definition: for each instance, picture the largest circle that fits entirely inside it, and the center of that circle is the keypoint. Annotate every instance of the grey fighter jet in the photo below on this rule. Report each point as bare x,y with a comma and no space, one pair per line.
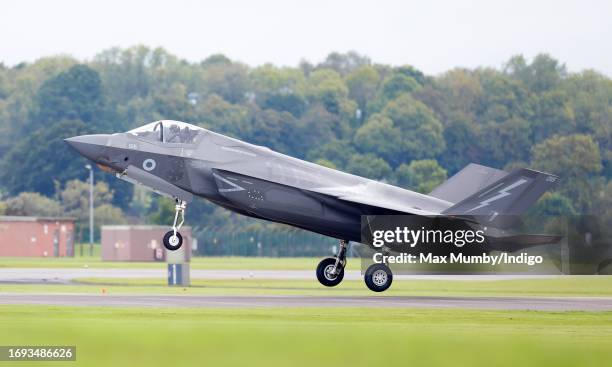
181,161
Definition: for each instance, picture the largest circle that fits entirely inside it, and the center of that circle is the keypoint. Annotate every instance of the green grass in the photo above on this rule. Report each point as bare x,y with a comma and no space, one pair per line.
110,336
227,263
575,286
311,337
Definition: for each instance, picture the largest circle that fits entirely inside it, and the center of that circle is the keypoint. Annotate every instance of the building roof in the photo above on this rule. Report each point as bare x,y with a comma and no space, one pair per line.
16,218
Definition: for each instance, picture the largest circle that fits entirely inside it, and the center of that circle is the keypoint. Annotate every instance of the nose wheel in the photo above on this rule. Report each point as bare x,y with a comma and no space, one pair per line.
173,240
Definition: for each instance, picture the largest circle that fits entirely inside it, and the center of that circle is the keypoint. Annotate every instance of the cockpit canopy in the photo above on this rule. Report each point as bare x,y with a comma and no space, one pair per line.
168,131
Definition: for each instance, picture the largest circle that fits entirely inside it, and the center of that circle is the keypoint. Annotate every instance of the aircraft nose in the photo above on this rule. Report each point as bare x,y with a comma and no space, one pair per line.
89,146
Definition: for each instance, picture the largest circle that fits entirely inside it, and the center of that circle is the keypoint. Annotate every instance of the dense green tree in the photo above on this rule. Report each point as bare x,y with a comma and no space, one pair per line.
413,73
230,81
317,127
363,84
32,204
345,112
577,161
589,97
173,104
74,199
344,63
224,117
553,204
268,127
163,211
457,95
380,136
506,141
502,98
422,175
398,84
141,201
327,87
570,156
216,59
421,132
75,94
279,89
544,73
41,158
339,152
460,135
370,166
553,115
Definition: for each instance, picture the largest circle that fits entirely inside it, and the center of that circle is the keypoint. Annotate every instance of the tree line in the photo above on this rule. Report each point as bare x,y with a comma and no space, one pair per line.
388,123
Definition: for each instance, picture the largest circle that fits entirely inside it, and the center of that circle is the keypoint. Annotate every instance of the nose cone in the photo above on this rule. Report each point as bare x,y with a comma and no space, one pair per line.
89,146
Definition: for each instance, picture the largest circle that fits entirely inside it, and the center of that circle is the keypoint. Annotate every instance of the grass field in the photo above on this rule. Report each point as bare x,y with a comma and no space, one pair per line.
110,336
227,263
311,337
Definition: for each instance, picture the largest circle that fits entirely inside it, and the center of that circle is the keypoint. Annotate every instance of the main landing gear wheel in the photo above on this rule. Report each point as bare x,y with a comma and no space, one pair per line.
378,277
173,239
328,274
330,271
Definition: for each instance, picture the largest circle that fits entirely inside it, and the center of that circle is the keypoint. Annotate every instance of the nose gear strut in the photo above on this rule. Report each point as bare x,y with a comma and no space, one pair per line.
173,240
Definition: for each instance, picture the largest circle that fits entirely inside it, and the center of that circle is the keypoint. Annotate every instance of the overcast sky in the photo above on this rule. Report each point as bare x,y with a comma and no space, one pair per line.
434,35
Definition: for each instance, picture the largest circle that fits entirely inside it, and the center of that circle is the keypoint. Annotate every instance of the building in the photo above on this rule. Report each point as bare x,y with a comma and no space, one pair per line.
36,236
138,242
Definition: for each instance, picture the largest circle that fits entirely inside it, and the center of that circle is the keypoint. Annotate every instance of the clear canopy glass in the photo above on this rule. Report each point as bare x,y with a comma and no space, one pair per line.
167,131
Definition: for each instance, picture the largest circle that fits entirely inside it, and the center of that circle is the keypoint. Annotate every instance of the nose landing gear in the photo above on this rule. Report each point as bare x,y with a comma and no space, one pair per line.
173,239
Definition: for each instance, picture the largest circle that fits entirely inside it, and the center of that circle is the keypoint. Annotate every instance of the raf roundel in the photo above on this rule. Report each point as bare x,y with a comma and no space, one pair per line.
149,164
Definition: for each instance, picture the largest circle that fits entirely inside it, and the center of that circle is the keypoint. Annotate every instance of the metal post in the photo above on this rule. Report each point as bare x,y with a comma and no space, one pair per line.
91,208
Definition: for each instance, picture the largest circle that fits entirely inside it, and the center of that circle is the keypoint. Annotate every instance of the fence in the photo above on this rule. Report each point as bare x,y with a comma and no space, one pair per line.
263,243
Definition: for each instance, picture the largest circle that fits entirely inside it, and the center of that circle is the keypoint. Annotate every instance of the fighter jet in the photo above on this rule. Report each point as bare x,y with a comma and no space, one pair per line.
180,160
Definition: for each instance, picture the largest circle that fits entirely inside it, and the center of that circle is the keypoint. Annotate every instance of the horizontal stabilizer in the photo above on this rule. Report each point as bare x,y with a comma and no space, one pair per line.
471,179
511,195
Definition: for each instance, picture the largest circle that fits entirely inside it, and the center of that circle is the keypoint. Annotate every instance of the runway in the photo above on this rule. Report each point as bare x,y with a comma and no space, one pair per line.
374,301
66,275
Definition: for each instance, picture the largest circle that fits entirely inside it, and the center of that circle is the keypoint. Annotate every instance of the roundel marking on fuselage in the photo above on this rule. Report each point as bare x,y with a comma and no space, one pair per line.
149,164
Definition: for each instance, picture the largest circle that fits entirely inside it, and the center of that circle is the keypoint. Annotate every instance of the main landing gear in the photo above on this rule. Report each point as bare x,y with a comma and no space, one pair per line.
330,272
173,239
378,277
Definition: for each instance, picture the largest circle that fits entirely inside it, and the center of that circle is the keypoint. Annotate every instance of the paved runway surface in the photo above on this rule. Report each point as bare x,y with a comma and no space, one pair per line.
65,275
502,303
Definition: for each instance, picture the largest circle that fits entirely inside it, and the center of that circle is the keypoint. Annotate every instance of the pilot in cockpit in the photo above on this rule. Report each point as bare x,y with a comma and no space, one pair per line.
168,132
173,134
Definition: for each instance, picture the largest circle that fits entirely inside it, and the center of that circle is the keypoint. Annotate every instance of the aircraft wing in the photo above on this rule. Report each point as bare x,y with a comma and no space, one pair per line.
357,194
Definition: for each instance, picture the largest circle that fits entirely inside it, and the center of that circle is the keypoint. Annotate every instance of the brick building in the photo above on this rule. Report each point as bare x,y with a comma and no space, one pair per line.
36,236
137,242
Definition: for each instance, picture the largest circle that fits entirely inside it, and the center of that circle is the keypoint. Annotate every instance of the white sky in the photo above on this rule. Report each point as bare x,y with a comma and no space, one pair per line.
433,35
